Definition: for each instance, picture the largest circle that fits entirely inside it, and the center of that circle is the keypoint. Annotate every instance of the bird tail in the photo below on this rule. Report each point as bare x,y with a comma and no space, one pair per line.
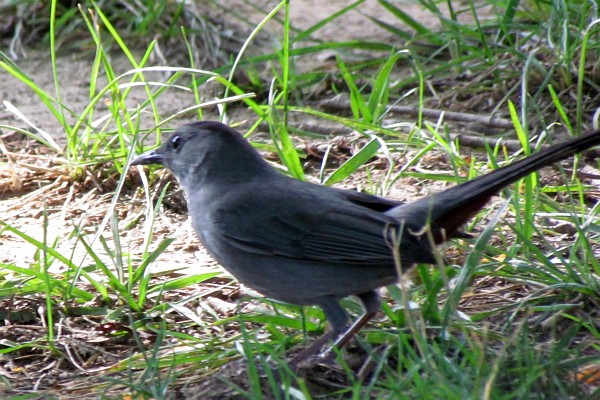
446,212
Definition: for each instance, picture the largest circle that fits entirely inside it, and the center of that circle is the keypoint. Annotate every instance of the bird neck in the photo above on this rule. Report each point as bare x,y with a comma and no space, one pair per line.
230,168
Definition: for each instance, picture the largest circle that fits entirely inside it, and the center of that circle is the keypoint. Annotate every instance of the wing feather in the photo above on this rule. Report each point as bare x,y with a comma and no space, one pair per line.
327,228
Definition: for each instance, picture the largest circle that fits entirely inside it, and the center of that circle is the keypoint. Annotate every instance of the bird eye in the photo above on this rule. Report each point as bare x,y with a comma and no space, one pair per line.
176,142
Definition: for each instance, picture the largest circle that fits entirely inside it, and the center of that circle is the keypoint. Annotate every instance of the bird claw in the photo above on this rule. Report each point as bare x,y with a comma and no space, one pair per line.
326,359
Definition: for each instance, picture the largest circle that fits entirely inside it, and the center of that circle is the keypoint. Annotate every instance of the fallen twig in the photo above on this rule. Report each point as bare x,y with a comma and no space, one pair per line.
341,103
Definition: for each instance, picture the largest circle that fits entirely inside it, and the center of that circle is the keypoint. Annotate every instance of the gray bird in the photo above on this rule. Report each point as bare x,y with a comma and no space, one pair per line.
307,244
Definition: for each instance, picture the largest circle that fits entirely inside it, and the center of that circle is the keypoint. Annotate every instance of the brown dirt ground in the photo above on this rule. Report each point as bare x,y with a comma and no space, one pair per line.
33,182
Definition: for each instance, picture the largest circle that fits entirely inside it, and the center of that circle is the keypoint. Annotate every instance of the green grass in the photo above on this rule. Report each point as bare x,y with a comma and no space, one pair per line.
511,315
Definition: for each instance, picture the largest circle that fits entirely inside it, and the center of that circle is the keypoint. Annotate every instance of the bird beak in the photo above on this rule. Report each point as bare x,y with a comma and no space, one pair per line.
150,157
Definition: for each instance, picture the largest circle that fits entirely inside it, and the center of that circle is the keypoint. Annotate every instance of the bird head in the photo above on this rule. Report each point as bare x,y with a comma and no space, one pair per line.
207,152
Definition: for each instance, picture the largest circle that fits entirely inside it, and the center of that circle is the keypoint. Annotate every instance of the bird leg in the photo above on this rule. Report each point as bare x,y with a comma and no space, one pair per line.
349,333
311,350
371,303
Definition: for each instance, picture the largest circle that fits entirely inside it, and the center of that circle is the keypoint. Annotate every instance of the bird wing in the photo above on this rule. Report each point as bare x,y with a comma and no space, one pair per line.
309,226
369,201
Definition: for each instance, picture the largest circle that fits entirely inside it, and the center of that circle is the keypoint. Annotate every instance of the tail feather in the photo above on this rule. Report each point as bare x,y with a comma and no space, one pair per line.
446,212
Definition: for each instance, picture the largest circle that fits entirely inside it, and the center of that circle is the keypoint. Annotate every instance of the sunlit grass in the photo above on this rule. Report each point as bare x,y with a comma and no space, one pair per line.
535,61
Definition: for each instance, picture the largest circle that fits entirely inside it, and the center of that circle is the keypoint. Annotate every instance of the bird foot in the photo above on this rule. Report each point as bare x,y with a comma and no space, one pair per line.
325,359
